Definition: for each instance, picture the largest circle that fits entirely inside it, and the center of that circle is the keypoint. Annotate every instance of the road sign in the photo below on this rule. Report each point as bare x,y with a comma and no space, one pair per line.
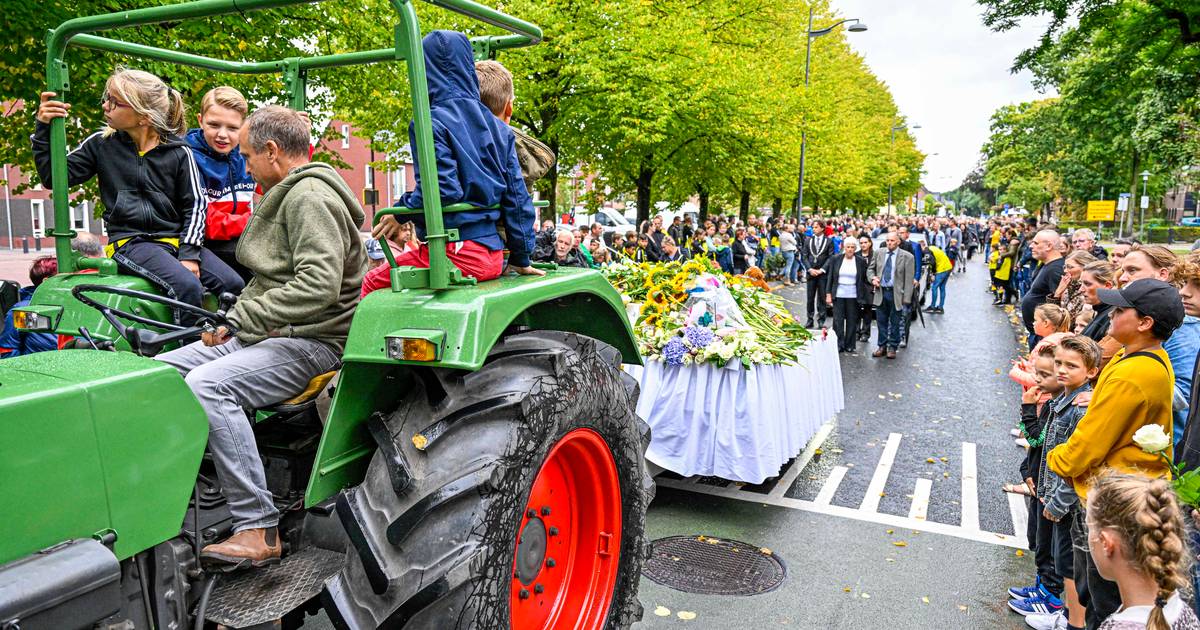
1101,210
1123,204
1145,201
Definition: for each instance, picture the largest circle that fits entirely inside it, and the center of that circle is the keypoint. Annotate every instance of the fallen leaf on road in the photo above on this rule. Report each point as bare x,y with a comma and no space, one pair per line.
946,474
961,607
765,551
1020,553
816,451
890,531
997,370
686,615
899,395
900,543
944,459
918,386
957,417
662,611
866,596
925,600
931,460
890,559
882,396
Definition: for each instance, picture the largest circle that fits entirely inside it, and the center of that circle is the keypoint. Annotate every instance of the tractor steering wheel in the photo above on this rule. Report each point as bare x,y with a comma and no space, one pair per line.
145,342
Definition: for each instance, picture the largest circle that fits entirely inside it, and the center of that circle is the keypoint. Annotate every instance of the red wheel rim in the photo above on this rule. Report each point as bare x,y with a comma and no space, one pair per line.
569,539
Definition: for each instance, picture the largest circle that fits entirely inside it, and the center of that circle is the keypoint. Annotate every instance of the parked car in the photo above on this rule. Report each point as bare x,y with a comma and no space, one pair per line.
612,221
1190,222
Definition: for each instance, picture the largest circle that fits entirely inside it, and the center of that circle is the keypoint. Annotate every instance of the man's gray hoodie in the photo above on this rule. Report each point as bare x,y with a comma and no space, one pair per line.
303,245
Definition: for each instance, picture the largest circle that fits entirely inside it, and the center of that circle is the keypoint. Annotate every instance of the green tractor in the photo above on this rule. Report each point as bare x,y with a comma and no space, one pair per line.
479,463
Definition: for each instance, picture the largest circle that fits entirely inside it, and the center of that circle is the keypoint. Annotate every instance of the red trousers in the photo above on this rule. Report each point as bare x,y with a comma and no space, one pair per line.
473,259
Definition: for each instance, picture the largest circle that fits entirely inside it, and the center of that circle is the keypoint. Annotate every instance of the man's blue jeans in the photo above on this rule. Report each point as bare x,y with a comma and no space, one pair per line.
889,320
937,296
789,264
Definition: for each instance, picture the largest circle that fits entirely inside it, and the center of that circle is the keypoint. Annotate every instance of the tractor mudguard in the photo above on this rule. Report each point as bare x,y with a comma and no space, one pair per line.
464,324
95,443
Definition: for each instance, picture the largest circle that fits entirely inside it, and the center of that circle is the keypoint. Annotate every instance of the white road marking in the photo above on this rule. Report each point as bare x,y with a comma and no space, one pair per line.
825,496
970,487
1018,507
851,513
802,460
920,502
870,502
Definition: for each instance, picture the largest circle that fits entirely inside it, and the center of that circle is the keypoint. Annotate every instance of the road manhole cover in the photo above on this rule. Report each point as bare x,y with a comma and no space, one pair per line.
713,566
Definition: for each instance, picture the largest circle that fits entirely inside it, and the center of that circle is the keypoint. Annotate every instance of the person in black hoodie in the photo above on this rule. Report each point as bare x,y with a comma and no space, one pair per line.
154,206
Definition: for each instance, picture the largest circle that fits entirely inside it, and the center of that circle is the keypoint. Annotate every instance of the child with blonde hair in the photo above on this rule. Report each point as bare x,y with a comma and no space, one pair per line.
154,205
1136,538
1051,322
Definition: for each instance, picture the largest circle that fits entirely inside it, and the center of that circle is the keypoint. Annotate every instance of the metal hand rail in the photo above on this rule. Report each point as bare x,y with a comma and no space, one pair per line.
77,31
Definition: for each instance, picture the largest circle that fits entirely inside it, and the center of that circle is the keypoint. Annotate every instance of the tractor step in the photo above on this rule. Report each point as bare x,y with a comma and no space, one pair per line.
252,597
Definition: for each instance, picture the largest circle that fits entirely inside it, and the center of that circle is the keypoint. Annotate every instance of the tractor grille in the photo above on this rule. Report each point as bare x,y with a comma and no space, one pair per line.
712,566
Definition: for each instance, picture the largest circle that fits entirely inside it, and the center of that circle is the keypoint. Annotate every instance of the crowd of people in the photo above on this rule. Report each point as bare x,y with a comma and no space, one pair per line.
1114,338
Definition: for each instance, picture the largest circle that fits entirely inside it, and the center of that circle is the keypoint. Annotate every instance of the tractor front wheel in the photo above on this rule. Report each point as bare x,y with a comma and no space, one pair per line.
511,497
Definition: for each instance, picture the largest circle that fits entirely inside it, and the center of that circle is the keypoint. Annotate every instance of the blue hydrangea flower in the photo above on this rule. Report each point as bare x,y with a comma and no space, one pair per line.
698,336
673,351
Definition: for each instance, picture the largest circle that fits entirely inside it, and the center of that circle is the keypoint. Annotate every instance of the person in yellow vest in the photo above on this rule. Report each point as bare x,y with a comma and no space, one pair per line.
941,273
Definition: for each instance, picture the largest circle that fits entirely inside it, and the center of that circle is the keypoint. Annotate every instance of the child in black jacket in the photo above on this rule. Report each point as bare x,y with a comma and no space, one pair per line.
154,206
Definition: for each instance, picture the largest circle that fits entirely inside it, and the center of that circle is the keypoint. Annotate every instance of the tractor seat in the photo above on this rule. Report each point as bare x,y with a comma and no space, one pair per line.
304,399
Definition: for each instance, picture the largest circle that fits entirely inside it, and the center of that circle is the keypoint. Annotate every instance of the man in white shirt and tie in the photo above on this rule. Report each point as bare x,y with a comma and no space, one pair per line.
891,270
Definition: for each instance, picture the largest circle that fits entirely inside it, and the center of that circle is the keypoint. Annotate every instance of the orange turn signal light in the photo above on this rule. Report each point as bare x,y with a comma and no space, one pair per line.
409,349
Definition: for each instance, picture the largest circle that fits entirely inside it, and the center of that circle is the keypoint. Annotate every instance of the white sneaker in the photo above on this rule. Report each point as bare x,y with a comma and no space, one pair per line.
1052,621
1015,433
1022,442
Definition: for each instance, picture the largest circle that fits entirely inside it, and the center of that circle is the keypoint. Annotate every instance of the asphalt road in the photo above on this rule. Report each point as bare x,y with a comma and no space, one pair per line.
906,562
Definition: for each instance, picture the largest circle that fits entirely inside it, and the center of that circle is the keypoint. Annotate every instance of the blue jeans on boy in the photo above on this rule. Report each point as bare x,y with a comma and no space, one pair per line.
789,266
889,321
937,298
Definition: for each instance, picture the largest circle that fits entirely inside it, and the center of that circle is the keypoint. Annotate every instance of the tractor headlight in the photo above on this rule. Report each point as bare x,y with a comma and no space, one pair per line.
31,321
415,345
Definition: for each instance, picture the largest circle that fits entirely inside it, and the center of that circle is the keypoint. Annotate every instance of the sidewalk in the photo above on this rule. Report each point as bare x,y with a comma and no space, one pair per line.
14,265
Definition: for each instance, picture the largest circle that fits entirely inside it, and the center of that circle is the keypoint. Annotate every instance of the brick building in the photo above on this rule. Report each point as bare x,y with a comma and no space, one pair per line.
360,176
29,216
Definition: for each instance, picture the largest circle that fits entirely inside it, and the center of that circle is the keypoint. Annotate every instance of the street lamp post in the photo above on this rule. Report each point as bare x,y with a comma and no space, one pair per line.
856,26
1142,213
891,154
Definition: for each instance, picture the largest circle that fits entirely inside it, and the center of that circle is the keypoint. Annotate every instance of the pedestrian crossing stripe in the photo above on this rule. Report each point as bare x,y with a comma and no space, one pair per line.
868,510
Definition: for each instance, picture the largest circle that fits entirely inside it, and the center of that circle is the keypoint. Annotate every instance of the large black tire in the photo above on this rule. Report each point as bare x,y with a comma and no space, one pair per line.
433,529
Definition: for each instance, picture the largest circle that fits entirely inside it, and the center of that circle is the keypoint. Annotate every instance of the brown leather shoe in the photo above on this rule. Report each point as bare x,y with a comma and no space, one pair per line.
878,353
245,549
891,354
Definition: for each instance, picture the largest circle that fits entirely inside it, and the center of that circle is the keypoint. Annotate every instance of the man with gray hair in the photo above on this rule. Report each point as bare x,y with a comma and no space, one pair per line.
1044,248
288,326
1084,239
87,244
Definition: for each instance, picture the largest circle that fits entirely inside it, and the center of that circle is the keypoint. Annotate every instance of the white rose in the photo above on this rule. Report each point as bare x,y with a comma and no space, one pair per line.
1152,439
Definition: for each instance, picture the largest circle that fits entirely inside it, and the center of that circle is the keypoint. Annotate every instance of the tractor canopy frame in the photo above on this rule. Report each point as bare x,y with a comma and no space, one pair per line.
407,47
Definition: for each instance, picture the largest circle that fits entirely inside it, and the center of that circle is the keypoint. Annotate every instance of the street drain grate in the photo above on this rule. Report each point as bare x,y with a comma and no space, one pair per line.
712,566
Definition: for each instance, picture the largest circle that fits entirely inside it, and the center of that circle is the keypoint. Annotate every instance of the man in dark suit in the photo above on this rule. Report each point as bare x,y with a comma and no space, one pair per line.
816,251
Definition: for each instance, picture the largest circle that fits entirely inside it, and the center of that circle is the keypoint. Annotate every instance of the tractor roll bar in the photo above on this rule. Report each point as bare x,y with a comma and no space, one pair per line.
407,47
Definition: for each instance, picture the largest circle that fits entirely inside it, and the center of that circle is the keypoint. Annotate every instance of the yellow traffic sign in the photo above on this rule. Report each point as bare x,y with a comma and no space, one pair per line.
1101,210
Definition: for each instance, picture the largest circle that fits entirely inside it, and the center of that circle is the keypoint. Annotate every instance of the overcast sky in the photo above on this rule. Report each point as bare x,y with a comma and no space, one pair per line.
947,72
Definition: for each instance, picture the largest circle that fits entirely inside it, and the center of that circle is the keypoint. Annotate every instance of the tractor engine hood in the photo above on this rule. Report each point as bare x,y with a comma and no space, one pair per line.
93,443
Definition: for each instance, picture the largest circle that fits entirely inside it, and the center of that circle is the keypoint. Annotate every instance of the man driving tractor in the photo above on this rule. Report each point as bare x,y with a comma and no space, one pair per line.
289,325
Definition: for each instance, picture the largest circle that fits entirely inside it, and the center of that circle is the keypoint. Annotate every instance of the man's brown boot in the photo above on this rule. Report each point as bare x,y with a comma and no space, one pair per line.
245,549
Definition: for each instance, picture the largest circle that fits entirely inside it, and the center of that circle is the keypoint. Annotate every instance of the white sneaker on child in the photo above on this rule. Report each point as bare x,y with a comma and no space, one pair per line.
1015,433
1052,621
1022,442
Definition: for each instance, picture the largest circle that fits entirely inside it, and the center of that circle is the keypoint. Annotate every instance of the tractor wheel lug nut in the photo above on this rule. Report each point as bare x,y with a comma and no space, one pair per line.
545,510
551,563
553,531
539,589
524,594
531,513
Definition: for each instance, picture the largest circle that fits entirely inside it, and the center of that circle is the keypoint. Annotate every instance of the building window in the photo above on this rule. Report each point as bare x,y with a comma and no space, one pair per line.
37,217
79,217
345,136
398,182
370,176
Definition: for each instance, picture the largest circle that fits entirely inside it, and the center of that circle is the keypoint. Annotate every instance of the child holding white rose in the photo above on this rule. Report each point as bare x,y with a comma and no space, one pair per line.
1134,390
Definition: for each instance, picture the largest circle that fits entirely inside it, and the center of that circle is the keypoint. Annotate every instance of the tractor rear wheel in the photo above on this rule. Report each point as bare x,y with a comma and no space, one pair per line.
511,497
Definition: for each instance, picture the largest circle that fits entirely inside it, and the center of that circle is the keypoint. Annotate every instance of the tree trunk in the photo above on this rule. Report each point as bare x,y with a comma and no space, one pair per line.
777,206
550,212
744,203
644,179
703,192
1133,183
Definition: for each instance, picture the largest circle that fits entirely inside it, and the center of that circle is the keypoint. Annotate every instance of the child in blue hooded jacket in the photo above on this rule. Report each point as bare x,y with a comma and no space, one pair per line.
476,163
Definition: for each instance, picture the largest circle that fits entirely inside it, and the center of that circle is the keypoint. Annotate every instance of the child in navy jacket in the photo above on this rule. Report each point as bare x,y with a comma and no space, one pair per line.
476,163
